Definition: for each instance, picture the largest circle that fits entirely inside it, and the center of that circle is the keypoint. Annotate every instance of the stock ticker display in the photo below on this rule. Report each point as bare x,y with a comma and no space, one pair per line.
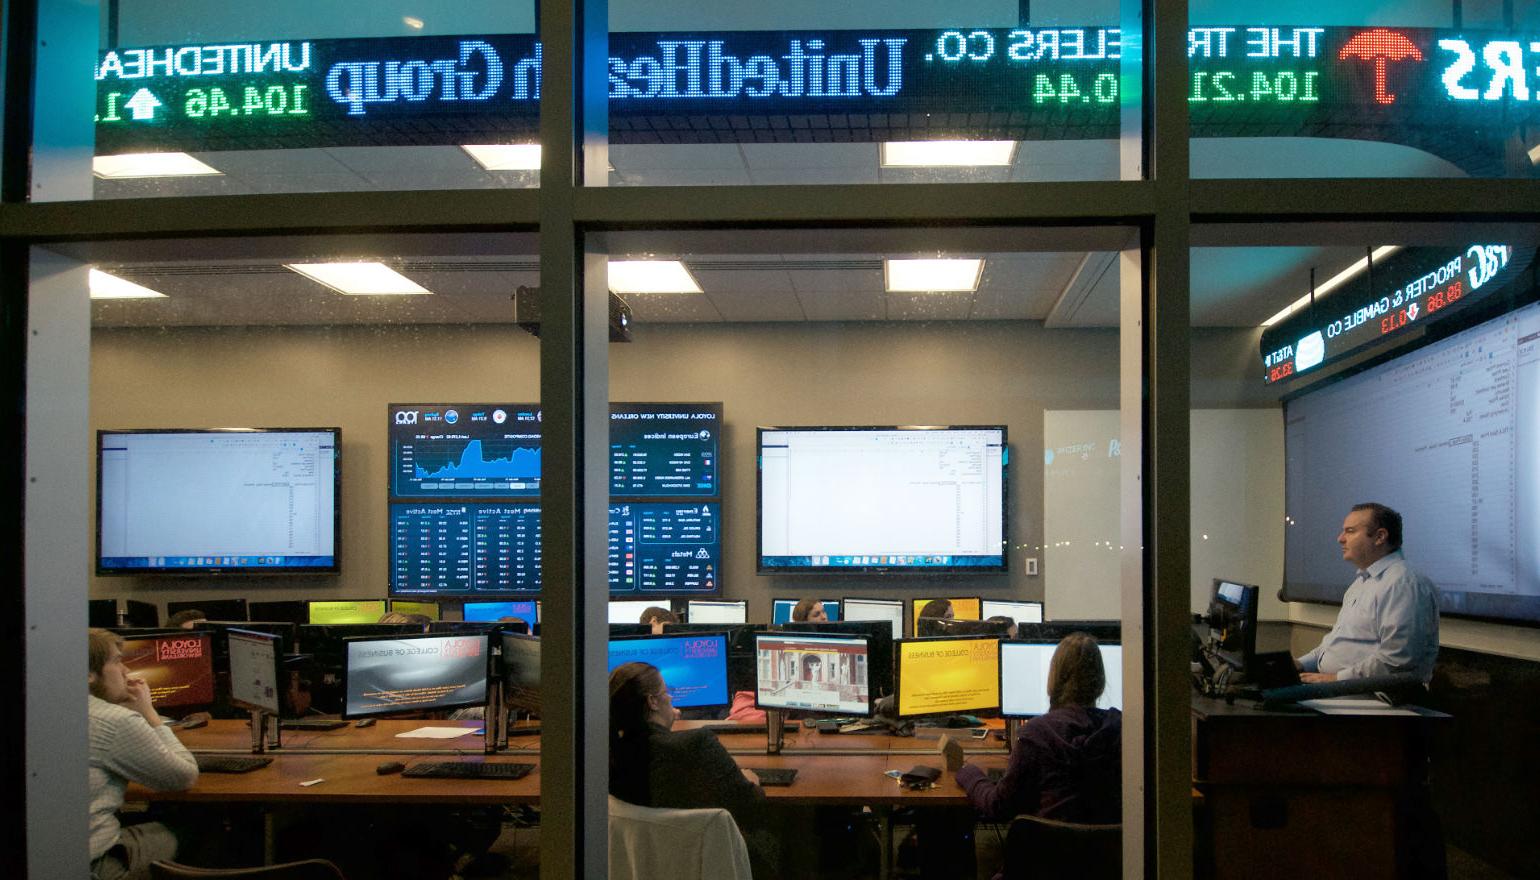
1453,92
465,485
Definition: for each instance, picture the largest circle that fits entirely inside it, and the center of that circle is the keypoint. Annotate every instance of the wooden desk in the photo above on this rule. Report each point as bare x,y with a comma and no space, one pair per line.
1288,794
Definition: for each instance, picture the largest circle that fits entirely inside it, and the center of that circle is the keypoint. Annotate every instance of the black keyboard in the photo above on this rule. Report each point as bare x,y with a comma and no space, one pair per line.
467,770
230,763
775,775
311,724
720,729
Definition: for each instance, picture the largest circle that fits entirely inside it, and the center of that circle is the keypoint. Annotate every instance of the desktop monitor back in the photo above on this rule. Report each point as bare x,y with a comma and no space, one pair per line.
879,637
1232,619
890,610
1024,677
213,609
694,665
946,676
478,626
621,630
414,673
813,673
780,610
293,611
934,627
102,613
521,671
137,613
178,666
1054,630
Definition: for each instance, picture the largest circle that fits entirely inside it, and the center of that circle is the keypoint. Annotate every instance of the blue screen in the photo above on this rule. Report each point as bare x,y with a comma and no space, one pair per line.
487,612
781,612
694,667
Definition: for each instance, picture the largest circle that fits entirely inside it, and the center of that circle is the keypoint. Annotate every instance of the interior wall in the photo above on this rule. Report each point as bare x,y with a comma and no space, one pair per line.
890,373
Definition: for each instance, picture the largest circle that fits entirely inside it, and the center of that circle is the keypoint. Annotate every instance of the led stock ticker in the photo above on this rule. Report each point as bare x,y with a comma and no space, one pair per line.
1414,286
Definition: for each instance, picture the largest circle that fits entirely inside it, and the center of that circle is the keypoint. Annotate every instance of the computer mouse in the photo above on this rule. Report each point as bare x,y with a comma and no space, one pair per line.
364,722
390,767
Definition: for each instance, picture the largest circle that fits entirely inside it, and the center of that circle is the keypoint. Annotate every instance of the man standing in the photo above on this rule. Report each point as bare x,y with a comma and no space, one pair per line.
1389,618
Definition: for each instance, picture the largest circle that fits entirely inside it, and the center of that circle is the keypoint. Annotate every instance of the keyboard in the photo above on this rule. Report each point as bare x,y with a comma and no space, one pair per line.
467,770
775,775
720,729
230,763
311,724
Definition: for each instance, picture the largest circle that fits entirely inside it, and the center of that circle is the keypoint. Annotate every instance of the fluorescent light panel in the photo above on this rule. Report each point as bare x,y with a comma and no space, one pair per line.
129,165
505,157
359,279
1332,283
932,276
651,276
104,286
946,154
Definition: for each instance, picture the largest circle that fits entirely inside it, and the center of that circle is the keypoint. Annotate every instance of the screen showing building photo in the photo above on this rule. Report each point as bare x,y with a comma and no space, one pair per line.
179,669
810,673
948,676
432,672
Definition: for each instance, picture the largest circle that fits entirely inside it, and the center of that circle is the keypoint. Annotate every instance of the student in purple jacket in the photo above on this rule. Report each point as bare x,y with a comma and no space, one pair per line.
1065,765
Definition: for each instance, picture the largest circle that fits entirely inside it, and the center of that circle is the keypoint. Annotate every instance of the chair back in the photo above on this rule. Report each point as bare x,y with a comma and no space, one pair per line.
1037,847
651,842
309,869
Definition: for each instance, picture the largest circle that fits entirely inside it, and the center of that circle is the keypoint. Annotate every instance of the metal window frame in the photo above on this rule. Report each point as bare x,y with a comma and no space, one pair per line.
1170,210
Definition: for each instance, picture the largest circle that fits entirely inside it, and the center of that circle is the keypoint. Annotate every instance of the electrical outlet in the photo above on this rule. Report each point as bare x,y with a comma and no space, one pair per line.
1032,566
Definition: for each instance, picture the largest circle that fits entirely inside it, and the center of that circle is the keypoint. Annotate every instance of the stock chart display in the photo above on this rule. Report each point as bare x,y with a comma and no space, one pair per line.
453,450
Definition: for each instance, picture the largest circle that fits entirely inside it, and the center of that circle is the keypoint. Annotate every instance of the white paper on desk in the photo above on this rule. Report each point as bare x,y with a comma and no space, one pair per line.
1354,706
435,733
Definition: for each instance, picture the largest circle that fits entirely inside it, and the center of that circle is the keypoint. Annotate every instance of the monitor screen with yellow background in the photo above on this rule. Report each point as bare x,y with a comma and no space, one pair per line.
947,676
430,609
347,612
968,608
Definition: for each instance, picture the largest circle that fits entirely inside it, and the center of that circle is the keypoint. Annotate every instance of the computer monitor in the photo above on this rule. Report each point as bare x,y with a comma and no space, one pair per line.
1018,612
813,673
292,610
414,673
891,610
620,630
347,612
429,610
137,613
879,637
717,611
279,628
102,613
213,609
1232,620
179,668
1024,677
256,682
780,610
478,626
521,671
946,676
490,611
1054,630
932,627
694,666
740,647
965,608
327,639
630,611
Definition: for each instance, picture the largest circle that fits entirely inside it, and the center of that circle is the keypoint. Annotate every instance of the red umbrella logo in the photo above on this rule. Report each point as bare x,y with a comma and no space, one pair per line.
1382,47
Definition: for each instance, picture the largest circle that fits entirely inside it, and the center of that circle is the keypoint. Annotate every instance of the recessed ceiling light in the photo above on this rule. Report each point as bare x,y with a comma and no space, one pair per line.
360,279
104,286
126,165
412,22
1331,284
931,276
505,157
651,276
910,154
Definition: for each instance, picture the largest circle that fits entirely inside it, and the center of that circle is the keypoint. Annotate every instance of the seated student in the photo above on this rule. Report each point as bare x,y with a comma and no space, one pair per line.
938,608
186,619
657,616
128,743
809,611
1010,624
405,617
653,766
1065,765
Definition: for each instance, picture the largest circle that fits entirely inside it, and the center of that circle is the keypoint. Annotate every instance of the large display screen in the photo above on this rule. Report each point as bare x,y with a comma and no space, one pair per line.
812,674
179,669
414,673
882,500
664,450
1024,677
1447,435
694,667
947,676
252,501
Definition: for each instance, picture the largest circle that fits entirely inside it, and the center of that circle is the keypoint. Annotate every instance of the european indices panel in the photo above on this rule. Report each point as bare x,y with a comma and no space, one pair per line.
465,488
1449,435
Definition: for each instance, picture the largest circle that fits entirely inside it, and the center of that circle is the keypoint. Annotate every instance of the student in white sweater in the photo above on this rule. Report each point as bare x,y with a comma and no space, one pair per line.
128,744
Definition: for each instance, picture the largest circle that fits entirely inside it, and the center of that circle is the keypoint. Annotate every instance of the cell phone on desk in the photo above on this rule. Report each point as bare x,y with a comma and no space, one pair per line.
979,732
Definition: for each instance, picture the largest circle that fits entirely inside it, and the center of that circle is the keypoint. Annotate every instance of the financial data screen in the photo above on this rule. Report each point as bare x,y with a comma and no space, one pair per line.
664,451
431,672
1449,436
882,500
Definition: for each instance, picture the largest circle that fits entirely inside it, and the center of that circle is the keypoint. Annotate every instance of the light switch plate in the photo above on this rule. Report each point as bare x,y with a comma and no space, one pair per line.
1032,566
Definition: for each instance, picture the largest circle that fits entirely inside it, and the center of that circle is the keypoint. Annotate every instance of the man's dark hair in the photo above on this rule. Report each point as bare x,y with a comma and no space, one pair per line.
1382,517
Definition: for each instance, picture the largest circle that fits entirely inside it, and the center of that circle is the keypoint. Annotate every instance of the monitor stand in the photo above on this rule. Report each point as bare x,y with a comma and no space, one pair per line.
264,732
494,723
775,731
1012,727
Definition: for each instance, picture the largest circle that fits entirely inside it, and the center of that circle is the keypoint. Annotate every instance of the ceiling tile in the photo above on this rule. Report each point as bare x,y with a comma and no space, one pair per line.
929,306
748,306
843,305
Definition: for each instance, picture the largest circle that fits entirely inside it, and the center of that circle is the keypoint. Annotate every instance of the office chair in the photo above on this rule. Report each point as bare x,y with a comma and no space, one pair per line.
1037,847
651,842
309,869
